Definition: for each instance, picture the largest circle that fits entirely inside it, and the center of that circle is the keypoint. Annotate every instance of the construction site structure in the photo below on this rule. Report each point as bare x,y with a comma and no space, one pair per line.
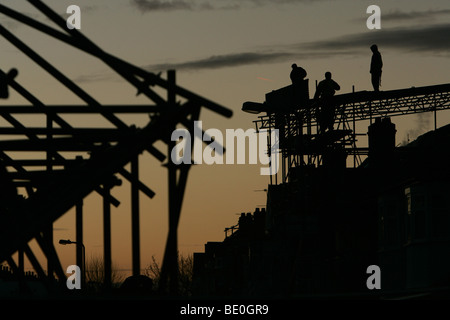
295,116
53,184
342,202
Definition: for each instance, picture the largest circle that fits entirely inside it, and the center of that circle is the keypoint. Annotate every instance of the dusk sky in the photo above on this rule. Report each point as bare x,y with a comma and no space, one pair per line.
228,51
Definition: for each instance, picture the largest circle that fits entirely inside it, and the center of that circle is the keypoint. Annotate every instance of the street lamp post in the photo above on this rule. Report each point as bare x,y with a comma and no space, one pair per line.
83,273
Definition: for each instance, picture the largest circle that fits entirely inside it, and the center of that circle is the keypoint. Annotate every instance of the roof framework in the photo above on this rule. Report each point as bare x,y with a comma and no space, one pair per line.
61,183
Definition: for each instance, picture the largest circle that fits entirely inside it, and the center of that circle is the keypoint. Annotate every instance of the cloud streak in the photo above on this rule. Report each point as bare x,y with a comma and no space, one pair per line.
221,61
397,15
161,5
431,39
172,5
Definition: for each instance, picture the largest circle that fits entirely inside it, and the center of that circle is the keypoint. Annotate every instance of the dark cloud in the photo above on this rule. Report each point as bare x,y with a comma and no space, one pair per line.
220,61
162,5
426,39
432,39
170,5
398,15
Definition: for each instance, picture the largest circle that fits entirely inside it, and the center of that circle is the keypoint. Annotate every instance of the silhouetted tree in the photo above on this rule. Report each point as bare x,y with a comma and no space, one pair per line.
185,272
95,274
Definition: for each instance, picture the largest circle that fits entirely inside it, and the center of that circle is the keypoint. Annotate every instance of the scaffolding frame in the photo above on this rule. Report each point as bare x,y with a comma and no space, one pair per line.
300,125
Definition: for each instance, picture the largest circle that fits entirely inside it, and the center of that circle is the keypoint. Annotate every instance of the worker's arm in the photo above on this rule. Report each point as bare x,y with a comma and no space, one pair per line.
317,94
336,86
318,91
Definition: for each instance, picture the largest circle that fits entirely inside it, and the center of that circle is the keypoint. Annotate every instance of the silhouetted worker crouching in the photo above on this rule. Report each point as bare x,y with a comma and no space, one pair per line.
299,85
325,92
297,74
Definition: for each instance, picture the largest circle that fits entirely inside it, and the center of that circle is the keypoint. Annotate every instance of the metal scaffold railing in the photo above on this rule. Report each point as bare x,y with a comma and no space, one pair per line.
302,143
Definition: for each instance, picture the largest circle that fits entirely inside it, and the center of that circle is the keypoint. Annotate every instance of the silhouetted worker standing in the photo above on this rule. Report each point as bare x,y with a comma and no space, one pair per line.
297,74
376,65
325,91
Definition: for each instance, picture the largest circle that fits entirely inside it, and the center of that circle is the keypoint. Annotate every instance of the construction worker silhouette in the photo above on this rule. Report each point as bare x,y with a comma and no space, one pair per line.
376,65
324,95
299,85
297,74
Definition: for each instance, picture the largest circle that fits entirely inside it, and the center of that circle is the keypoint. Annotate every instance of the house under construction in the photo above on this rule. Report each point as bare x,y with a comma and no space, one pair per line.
338,206
37,190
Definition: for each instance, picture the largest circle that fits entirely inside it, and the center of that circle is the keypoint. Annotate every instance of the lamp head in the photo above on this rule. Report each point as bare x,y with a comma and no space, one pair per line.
254,107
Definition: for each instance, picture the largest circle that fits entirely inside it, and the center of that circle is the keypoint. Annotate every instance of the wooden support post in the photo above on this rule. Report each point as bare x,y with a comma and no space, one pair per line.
107,237
135,234
48,233
80,255
172,241
177,180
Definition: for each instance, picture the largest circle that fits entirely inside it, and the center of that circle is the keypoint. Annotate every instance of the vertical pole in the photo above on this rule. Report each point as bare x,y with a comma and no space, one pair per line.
48,232
172,177
79,240
169,270
107,236
435,119
354,132
269,149
135,217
